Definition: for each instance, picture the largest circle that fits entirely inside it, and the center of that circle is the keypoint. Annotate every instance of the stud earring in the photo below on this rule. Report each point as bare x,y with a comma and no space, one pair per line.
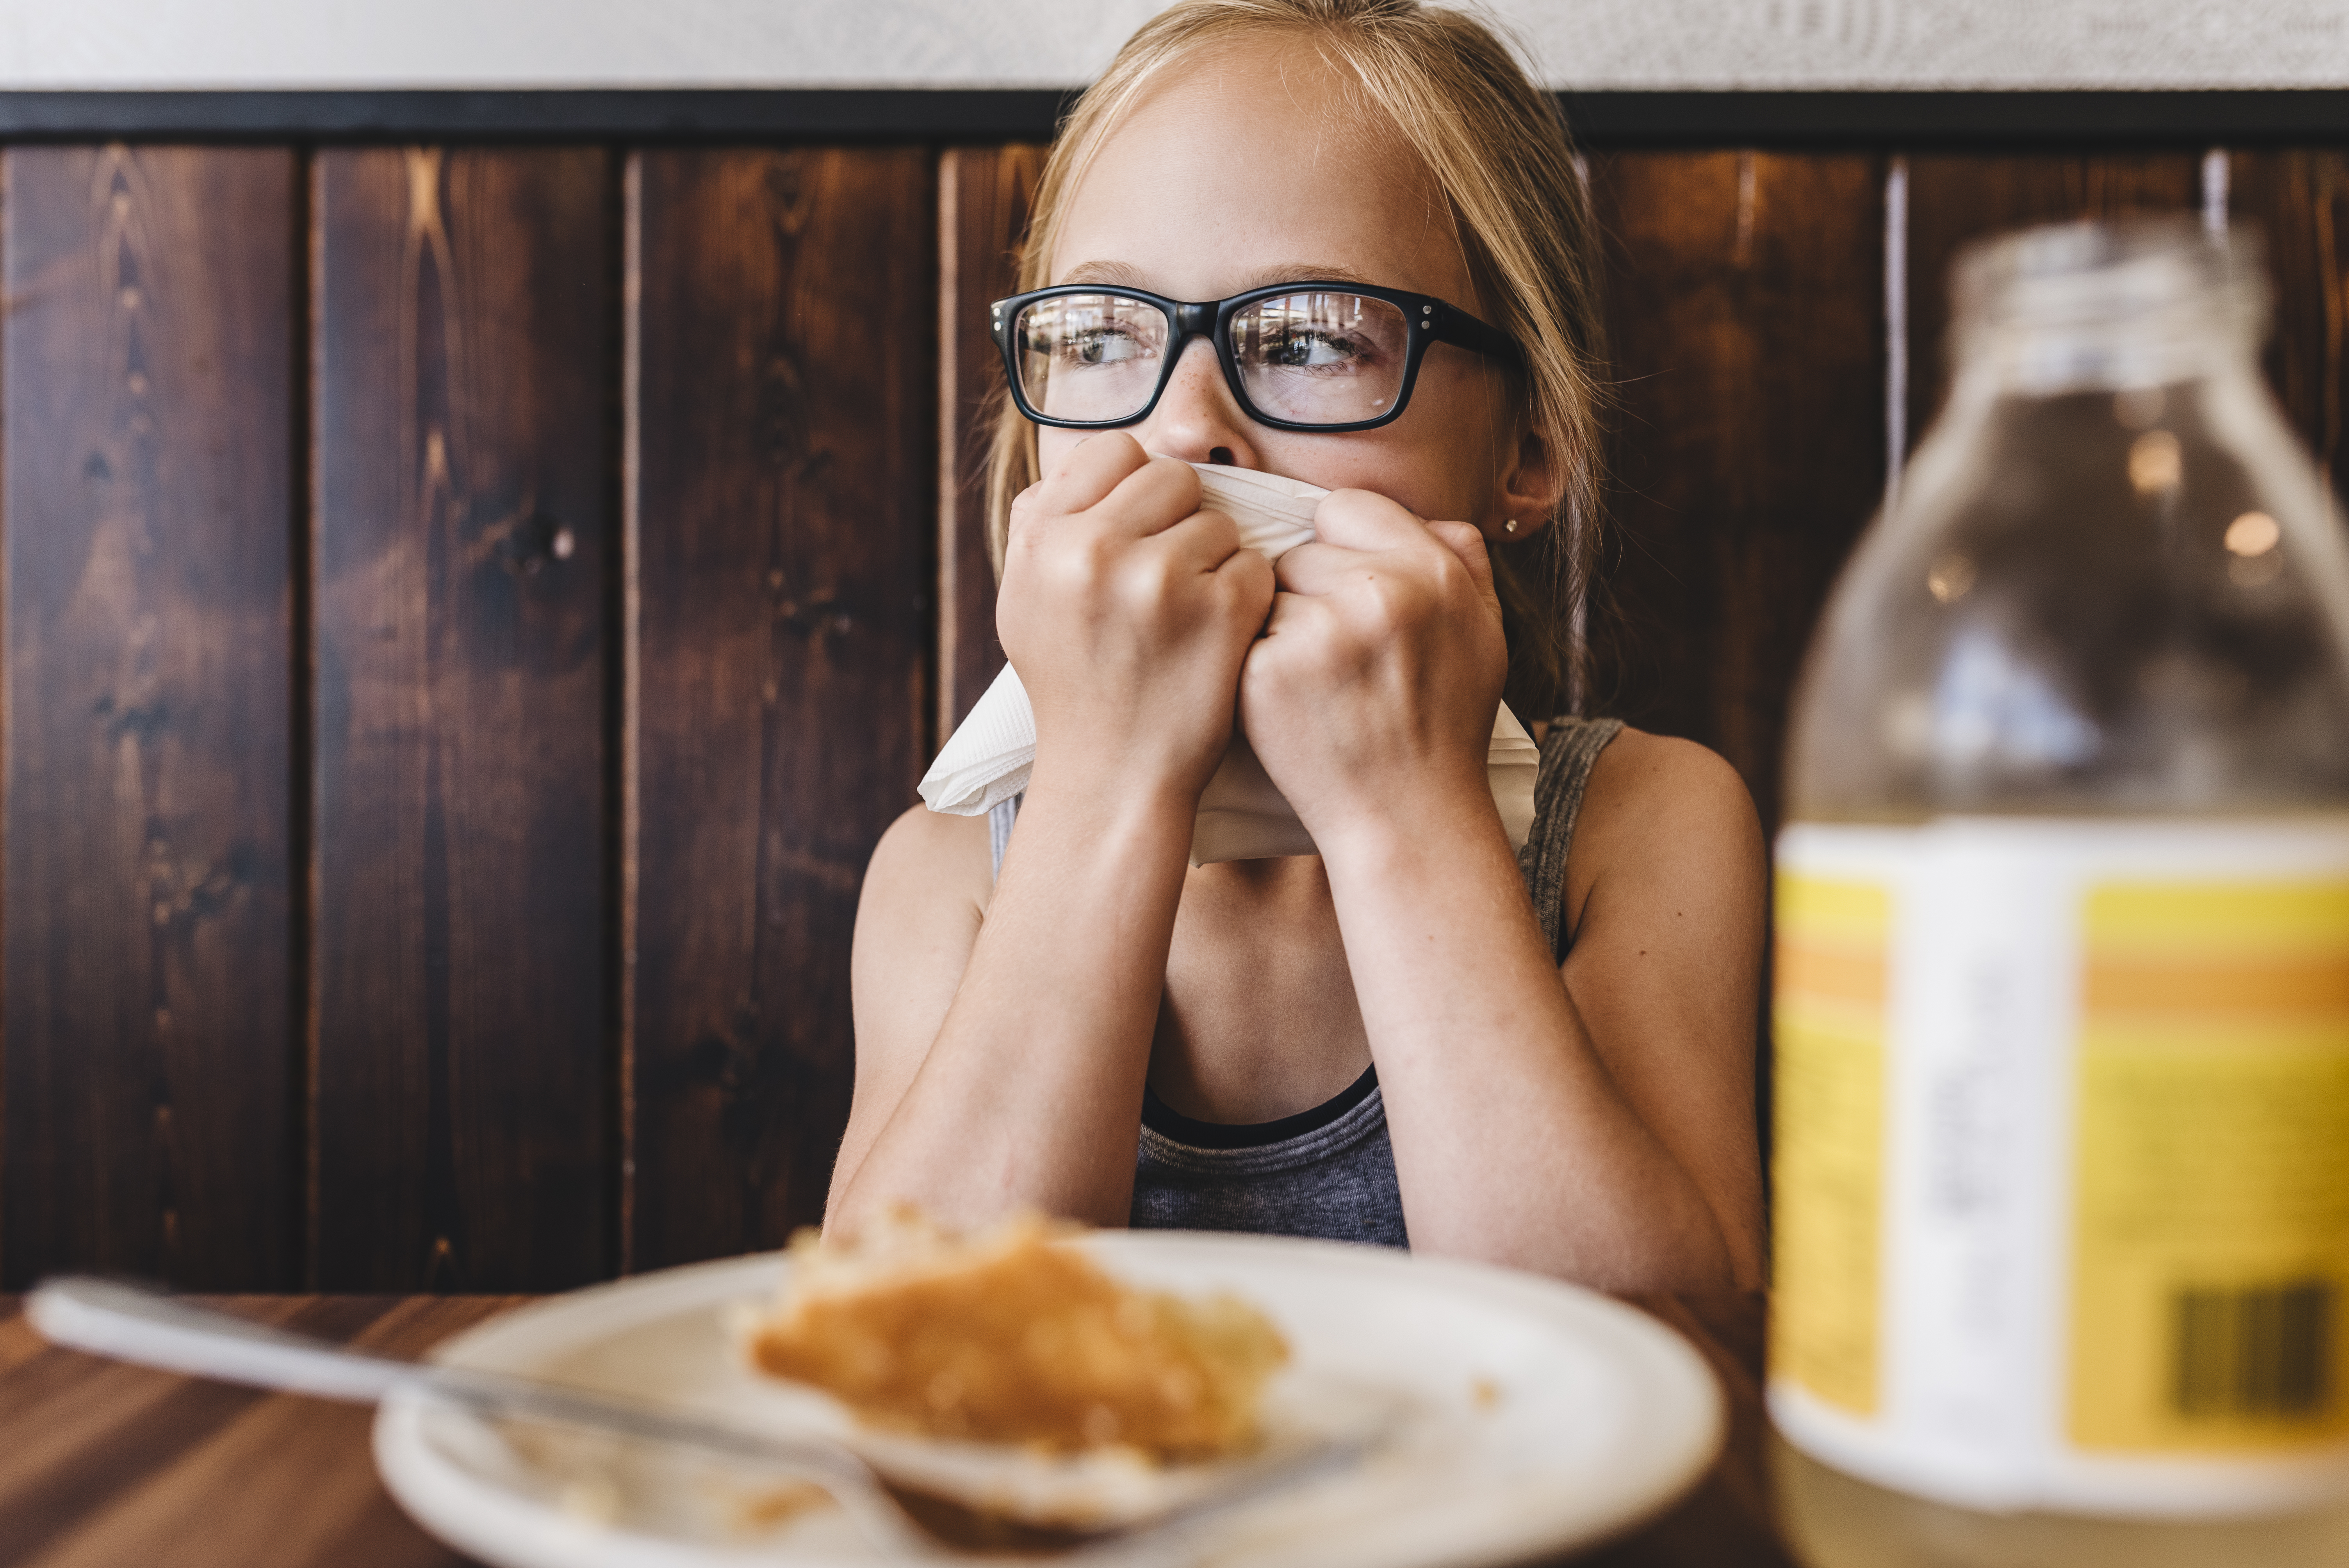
1510,526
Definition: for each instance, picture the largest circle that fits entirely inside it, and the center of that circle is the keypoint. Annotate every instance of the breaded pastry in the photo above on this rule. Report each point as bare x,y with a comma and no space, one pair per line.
1013,1336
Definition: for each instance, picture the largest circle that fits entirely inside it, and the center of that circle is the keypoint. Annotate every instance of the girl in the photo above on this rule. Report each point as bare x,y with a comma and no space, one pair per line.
1388,1041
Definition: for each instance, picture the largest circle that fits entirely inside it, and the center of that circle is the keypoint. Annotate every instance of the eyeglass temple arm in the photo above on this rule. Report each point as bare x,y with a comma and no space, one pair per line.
1458,328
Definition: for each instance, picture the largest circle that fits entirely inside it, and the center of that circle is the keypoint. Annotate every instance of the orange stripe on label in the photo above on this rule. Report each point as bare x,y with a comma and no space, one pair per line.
1837,972
2121,984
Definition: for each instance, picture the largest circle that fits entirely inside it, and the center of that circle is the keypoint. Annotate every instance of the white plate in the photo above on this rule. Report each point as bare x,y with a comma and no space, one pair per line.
1536,1418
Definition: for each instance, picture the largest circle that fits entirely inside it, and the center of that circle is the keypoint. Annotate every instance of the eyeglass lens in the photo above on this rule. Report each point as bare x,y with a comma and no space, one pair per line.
1315,357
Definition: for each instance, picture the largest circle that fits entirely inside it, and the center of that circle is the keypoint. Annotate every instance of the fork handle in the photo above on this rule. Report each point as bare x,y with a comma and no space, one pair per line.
155,1330
151,1329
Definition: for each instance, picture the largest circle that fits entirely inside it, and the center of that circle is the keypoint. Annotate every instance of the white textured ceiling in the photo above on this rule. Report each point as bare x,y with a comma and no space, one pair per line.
1592,43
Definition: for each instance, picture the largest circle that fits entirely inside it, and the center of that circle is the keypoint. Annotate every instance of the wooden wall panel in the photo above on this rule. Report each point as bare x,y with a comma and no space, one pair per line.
527,764
1746,317
1954,199
149,352
464,469
984,194
2300,201
784,486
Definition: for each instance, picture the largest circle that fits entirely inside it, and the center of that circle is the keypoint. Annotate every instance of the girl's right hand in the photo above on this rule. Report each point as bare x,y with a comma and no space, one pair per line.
1128,611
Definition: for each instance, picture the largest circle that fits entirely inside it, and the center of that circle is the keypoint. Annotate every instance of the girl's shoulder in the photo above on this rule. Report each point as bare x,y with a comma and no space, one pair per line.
927,858
1667,813
1666,771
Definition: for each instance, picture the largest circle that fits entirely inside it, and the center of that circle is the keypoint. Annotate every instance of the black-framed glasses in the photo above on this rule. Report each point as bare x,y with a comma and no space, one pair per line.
1298,356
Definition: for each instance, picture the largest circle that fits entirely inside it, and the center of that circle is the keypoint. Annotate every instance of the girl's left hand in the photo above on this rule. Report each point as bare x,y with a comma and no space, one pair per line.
1369,697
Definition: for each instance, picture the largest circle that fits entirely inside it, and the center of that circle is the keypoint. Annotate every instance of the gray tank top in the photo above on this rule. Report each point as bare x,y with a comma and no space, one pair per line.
1328,1173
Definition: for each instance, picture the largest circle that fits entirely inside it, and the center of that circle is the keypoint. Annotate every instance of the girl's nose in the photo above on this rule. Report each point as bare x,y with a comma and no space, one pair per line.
1196,419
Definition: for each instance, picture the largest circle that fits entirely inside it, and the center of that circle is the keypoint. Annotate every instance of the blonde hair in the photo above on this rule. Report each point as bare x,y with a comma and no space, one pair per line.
1496,147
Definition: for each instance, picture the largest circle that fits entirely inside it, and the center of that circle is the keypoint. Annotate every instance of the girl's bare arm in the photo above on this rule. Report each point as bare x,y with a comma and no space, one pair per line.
1000,1060
1127,612
1596,1124
920,909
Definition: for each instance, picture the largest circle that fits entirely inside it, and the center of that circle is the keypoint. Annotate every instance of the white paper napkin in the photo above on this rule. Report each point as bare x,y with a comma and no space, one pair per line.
1242,816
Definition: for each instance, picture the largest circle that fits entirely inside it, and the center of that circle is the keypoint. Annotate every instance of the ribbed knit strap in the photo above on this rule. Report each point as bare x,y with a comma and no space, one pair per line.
999,818
1568,751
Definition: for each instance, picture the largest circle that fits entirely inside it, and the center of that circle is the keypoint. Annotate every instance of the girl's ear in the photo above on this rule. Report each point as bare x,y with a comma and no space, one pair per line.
1529,492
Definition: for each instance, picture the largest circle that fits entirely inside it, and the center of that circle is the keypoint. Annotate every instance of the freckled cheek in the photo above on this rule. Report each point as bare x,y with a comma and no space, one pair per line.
1428,459
1424,476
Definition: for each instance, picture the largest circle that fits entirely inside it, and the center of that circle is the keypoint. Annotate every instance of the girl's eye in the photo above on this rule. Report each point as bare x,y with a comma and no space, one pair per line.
1100,345
1317,350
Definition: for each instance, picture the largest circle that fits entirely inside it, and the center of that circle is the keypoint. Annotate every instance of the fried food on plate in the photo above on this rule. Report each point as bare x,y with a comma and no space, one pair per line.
1011,1335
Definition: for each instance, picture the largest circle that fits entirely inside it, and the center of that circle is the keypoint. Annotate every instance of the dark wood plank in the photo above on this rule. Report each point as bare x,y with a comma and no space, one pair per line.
103,1464
463,479
1955,200
783,487
101,1429
1744,312
2300,200
984,194
150,357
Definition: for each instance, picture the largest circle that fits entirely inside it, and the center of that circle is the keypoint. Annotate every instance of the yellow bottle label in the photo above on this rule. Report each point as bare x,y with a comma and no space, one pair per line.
2062,1160
1829,1007
2211,1217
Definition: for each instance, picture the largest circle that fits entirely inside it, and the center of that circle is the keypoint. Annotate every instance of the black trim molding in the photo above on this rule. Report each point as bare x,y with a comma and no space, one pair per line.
1959,119
543,115
1601,120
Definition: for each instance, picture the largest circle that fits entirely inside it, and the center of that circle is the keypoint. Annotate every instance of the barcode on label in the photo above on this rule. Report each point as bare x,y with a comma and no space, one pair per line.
2265,1352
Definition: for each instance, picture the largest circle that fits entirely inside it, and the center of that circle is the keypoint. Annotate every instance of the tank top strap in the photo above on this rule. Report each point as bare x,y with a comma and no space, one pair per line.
999,818
1569,750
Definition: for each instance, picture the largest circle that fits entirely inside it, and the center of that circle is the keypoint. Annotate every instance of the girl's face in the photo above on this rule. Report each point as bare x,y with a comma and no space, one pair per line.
1246,168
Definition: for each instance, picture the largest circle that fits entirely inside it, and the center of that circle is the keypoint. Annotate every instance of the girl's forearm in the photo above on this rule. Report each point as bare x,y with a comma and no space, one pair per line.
1513,1143
1031,1093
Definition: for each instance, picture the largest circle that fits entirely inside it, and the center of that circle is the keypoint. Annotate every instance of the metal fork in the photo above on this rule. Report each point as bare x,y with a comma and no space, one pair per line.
152,1329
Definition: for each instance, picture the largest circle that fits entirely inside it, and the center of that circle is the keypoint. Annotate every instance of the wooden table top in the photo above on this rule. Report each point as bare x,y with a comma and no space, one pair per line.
103,1465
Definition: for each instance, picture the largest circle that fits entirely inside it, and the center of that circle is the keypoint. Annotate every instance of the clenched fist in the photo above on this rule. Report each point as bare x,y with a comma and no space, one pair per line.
1370,696
1127,612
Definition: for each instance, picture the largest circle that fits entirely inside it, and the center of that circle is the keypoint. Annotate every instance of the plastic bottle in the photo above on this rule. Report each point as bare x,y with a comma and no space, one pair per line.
2062,1146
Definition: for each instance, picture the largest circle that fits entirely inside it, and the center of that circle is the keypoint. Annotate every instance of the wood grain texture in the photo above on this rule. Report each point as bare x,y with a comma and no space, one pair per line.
2299,200
984,194
463,480
103,1464
784,486
1744,313
1954,199
148,354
